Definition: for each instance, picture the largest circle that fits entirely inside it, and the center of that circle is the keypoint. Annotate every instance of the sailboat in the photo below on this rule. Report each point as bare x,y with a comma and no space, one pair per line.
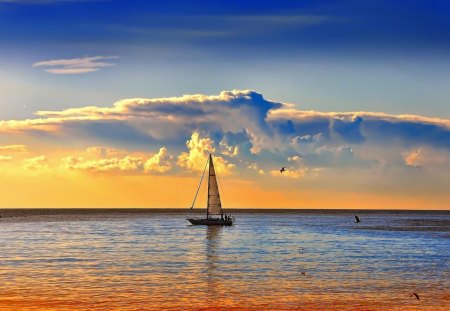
214,211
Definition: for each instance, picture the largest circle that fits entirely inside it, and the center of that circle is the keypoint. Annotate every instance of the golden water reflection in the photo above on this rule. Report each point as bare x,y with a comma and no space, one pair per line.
263,263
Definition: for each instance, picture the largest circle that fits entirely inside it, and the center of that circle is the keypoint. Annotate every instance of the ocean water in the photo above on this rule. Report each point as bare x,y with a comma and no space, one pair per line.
155,260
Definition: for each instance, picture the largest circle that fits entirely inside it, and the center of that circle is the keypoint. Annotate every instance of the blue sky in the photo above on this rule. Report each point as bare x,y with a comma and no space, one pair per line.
389,56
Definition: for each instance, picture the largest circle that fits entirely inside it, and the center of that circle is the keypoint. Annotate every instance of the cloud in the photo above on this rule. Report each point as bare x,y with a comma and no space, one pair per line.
305,139
266,125
240,127
75,65
426,158
197,156
7,150
5,158
255,166
219,27
260,124
290,173
348,129
107,160
250,137
271,20
364,127
336,156
414,157
296,172
36,163
101,151
230,151
126,164
13,149
168,118
160,162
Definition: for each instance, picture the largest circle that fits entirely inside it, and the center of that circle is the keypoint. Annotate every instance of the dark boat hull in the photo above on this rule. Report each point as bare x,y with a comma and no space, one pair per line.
210,222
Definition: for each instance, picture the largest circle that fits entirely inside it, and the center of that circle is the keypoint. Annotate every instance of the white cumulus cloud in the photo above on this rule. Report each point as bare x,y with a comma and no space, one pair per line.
197,156
160,162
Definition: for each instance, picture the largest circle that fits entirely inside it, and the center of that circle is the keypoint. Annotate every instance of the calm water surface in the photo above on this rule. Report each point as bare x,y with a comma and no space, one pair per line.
287,261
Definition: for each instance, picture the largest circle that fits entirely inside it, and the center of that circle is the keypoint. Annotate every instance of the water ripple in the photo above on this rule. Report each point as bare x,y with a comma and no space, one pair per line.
267,261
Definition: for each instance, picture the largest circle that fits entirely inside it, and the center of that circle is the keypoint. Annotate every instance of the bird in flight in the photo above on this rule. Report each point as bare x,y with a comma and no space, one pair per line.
414,295
357,219
283,169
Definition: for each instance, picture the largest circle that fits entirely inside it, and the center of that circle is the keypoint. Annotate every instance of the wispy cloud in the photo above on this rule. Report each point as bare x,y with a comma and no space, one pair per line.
5,158
280,19
13,149
36,163
76,65
6,151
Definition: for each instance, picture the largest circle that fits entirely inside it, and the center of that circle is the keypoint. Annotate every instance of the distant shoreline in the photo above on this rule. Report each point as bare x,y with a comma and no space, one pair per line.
14,212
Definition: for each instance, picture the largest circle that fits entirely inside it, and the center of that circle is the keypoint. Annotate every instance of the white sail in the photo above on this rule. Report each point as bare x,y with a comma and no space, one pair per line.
214,204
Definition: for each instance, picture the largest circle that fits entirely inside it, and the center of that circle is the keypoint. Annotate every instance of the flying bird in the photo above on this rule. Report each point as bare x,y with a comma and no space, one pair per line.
414,295
283,169
357,219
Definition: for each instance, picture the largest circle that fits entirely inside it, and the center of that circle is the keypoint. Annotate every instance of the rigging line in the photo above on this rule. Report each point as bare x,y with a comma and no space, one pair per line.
201,195
198,188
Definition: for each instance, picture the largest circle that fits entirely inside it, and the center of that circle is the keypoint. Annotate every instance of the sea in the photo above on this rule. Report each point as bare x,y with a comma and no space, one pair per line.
153,259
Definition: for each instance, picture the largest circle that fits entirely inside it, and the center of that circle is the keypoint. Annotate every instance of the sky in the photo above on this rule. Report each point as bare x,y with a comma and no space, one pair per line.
118,103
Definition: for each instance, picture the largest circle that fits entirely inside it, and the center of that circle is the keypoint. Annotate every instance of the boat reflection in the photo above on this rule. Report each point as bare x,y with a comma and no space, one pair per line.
212,245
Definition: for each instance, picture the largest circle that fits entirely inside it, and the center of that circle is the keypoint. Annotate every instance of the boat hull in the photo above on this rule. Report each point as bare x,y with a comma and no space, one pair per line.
210,222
